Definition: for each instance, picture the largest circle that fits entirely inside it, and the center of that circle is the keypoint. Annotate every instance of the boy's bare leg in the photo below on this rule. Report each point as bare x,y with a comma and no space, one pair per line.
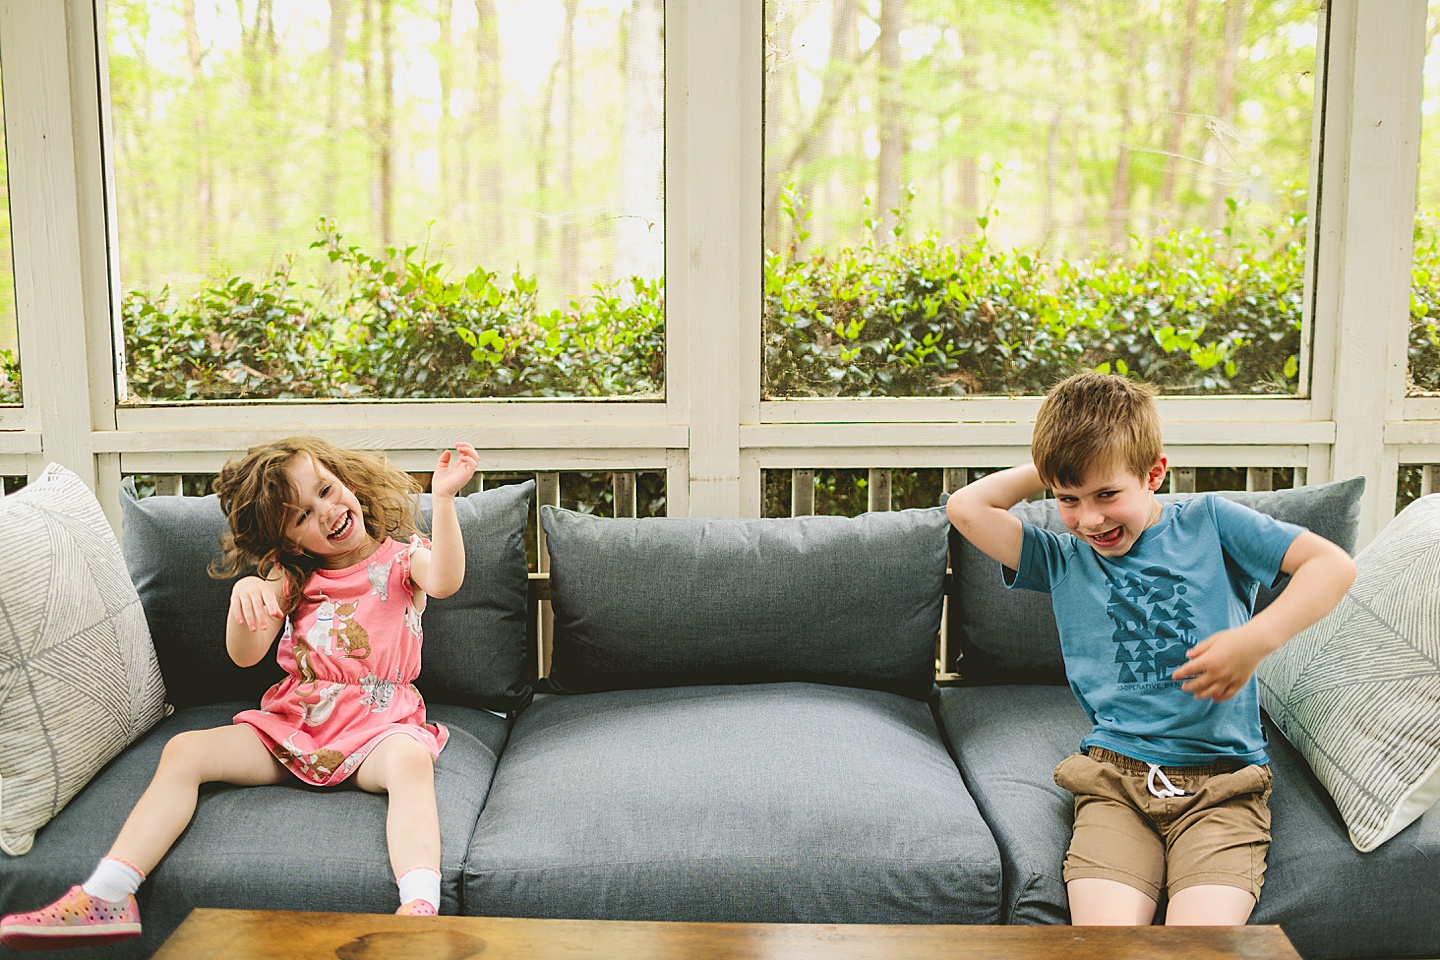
402,768
1209,905
1097,902
233,754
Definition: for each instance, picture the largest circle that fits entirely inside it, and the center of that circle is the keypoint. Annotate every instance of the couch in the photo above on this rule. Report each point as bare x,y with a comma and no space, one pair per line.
740,723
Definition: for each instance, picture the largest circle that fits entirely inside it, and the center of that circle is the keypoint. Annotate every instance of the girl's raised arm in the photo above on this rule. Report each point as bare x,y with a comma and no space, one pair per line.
441,570
255,618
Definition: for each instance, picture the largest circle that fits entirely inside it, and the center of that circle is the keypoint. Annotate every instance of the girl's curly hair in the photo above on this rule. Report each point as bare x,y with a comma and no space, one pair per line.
259,503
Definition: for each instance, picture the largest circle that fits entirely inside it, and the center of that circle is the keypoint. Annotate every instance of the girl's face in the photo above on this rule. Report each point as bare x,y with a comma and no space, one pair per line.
1112,507
327,522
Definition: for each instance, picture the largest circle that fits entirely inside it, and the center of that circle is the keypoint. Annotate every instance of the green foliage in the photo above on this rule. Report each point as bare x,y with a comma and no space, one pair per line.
1194,311
1425,307
396,327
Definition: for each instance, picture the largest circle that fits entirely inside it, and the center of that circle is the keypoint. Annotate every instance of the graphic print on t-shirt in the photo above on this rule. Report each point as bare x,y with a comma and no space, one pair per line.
1153,629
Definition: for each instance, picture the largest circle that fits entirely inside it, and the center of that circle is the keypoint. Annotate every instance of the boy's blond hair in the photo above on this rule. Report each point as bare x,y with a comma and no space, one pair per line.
1095,421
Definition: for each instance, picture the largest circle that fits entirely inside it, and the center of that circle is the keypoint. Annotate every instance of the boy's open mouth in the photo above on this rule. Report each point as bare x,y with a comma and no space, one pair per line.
343,530
1109,538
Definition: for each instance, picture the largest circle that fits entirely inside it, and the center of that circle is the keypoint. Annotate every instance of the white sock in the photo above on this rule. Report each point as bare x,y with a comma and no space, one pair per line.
420,883
113,880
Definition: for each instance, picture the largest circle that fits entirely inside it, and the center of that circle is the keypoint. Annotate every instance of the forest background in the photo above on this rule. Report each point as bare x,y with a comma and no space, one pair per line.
464,198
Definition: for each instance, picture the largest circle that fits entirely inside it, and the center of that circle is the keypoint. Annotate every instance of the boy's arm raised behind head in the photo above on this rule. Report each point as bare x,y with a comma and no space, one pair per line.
981,512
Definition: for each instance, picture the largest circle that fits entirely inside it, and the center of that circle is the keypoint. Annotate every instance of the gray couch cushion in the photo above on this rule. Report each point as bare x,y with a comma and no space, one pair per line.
768,802
1331,900
477,651
1009,636
283,847
662,602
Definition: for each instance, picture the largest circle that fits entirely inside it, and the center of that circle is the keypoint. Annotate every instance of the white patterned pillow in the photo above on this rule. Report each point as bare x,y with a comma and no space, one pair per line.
1359,692
78,676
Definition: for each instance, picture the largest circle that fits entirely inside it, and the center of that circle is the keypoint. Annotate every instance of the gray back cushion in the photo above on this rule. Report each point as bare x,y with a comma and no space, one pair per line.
662,602
477,650
1009,636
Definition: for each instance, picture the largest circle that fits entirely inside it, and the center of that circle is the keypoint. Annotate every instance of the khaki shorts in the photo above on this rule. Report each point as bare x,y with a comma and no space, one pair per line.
1218,832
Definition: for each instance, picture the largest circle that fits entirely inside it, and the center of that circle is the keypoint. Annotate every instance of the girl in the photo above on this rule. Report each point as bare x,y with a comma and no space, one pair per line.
315,523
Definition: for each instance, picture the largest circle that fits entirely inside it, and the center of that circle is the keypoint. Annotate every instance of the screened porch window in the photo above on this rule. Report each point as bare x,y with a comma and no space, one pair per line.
978,197
374,199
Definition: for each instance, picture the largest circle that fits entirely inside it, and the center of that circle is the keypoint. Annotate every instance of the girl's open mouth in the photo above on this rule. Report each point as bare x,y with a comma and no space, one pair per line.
343,531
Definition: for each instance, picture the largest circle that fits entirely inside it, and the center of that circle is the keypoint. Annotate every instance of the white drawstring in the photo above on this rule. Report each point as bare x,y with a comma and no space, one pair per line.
1167,789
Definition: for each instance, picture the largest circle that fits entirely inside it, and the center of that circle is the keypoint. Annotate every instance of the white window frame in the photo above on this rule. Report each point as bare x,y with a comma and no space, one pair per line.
712,435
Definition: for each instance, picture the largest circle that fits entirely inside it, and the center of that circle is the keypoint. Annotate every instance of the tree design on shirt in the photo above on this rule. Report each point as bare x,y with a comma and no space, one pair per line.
1153,629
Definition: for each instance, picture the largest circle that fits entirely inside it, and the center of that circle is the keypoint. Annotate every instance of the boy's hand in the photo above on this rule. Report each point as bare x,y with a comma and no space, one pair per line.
454,471
1221,664
255,603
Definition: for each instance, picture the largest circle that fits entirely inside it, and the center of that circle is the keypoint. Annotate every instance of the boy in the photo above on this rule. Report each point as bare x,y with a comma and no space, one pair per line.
1153,603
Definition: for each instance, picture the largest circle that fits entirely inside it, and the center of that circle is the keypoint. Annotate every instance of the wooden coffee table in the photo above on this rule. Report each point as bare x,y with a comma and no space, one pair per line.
256,934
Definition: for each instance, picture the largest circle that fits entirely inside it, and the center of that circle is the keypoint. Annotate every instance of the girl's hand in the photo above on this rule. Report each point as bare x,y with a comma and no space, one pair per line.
453,471
1221,664
256,603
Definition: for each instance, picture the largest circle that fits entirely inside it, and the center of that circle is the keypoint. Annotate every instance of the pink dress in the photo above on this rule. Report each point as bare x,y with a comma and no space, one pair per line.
352,652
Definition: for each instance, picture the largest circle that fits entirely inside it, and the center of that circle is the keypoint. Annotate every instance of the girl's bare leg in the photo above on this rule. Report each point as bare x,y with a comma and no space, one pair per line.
233,754
401,767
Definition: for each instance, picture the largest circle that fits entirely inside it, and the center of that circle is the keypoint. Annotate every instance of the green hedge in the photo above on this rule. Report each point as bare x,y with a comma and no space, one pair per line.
1193,311
397,327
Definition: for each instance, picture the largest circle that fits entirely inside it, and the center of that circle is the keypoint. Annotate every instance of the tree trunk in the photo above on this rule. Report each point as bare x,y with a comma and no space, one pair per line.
386,145
334,100
484,135
1119,218
840,74
779,94
542,165
1179,110
204,202
569,231
1224,121
445,62
892,120
640,226
969,101
261,51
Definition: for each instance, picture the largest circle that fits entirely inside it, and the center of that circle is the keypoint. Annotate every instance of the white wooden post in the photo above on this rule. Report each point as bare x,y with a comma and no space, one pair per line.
802,493
45,215
713,258
1371,155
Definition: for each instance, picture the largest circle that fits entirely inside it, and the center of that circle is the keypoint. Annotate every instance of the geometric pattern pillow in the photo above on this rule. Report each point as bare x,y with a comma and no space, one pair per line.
1359,692
78,676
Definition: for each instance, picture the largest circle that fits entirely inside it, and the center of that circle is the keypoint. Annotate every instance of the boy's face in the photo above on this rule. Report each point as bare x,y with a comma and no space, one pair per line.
1112,507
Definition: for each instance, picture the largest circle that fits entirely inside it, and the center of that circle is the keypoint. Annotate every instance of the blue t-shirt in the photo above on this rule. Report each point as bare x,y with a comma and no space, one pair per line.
1126,623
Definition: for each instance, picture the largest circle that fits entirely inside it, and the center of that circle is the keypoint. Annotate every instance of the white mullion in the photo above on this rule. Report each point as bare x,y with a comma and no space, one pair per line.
718,204
1375,150
45,212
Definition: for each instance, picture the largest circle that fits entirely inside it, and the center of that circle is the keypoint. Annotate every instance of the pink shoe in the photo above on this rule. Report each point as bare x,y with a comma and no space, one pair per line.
416,908
75,920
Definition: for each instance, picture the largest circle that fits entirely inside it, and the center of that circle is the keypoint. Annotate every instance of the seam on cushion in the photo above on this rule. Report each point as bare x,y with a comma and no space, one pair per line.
1012,911
596,864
